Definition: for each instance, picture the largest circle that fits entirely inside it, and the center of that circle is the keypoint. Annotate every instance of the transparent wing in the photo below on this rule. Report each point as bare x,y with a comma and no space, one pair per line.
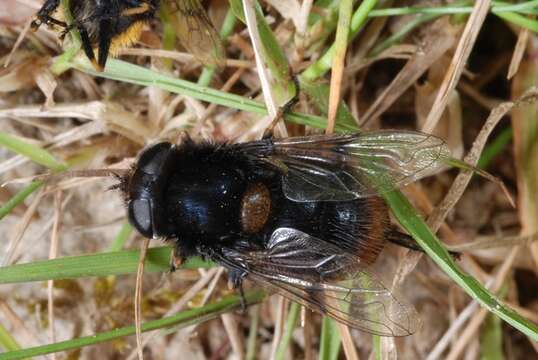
196,32
318,275
346,167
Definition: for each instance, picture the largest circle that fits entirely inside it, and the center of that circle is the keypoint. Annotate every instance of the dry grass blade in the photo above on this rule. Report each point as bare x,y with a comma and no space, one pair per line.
526,148
181,57
15,240
53,254
465,45
252,25
18,43
280,321
182,302
519,52
478,318
231,326
488,242
138,298
23,332
306,324
337,72
72,174
347,342
452,332
470,312
458,187
263,73
436,43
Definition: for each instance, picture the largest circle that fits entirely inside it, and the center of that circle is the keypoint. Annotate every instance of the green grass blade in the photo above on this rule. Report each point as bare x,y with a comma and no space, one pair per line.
273,56
32,152
401,33
520,20
183,318
100,264
121,238
376,348
462,7
252,342
491,336
134,74
330,340
291,322
318,93
324,64
226,30
19,198
7,341
411,221
495,147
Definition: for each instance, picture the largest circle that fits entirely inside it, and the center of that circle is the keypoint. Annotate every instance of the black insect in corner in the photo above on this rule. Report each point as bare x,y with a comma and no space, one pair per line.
108,25
299,215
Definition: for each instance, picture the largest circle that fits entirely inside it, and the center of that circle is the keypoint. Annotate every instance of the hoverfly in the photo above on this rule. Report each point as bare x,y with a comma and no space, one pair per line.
299,215
106,26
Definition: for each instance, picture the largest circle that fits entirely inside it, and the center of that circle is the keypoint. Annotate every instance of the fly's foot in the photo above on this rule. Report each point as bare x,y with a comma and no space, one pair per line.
176,260
235,281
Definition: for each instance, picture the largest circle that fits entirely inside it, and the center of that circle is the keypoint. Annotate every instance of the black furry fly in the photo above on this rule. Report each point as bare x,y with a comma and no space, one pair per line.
105,26
299,215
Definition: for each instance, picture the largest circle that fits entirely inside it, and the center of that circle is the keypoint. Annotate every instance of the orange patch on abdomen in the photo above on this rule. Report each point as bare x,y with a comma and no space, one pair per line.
372,241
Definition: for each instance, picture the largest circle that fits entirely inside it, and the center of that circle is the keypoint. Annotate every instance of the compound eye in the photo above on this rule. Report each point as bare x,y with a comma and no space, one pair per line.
152,158
139,215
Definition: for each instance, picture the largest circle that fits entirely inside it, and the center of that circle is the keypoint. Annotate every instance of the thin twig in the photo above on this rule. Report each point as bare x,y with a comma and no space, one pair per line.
478,318
489,242
20,229
138,298
342,32
181,57
269,97
183,301
279,324
465,45
252,26
231,327
347,342
436,44
18,42
519,51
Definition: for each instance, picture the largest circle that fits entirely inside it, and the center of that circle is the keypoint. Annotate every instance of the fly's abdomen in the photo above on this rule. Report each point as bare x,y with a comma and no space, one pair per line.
357,226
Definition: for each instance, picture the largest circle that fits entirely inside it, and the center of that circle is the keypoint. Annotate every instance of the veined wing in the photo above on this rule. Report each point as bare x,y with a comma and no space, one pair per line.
196,32
320,276
346,167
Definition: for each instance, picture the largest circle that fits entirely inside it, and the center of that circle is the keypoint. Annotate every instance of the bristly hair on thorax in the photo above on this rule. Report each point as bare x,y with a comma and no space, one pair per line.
122,183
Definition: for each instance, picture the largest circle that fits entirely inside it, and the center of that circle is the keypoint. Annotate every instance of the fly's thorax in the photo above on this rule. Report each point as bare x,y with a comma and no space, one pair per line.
205,201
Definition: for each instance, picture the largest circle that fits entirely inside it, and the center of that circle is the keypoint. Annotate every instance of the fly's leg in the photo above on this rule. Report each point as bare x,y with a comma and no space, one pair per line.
43,15
87,45
105,39
284,109
235,278
408,242
176,260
